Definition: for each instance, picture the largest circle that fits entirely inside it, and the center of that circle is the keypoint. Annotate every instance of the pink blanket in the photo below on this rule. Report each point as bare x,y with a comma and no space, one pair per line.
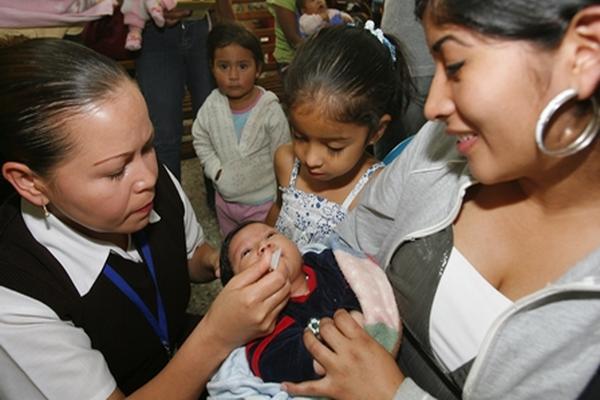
374,294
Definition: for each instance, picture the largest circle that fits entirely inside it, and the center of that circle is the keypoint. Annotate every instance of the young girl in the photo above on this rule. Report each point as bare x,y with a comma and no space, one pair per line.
344,86
238,129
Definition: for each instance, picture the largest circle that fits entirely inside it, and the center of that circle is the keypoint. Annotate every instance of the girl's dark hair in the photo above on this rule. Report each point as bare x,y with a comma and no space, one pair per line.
352,73
227,33
225,266
43,83
543,22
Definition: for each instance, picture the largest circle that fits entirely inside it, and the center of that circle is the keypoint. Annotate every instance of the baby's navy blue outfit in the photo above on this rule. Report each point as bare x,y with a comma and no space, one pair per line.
282,356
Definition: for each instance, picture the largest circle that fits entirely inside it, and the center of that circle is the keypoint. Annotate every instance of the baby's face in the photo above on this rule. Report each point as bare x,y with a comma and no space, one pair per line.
257,242
314,6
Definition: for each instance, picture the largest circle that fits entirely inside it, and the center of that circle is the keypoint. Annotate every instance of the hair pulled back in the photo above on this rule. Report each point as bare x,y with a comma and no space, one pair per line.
43,83
351,74
543,22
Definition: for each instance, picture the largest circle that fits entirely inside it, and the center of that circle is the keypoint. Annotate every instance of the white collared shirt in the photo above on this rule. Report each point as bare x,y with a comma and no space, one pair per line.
71,369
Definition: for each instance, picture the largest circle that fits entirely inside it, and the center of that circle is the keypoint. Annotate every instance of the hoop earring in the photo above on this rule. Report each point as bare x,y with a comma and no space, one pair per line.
586,137
45,210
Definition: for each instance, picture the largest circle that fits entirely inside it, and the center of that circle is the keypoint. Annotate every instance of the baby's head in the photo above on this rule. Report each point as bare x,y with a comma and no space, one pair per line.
253,242
311,6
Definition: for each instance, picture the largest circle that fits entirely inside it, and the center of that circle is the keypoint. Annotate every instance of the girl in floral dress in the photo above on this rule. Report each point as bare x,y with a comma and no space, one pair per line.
344,86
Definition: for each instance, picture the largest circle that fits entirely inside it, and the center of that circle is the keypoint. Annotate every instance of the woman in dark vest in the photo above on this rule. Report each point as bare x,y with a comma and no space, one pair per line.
99,243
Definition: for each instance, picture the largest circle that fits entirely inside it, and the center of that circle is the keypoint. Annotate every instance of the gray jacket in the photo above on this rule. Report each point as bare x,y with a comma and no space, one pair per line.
246,165
547,345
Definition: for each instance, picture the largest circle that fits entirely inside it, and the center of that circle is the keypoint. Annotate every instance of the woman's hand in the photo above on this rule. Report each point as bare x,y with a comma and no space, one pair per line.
248,306
324,15
356,366
175,15
288,21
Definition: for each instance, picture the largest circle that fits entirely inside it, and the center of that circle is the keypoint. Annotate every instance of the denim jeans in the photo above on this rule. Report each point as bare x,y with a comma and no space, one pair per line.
170,60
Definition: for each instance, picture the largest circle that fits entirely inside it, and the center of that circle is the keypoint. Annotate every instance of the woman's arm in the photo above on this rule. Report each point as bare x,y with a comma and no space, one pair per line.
282,162
278,127
289,25
273,213
279,131
245,309
224,11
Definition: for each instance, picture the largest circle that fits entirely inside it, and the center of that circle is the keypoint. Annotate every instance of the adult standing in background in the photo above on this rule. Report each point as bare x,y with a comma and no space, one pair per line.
399,20
172,59
287,31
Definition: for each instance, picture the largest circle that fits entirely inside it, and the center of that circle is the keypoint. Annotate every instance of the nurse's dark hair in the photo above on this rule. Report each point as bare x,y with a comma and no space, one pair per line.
352,76
44,83
543,22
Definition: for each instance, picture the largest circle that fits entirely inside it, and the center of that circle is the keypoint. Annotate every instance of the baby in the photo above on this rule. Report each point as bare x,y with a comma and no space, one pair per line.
318,290
315,15
137,12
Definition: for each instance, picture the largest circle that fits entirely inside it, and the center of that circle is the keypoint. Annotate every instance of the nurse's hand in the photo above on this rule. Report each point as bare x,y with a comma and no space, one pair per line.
356,366
248,306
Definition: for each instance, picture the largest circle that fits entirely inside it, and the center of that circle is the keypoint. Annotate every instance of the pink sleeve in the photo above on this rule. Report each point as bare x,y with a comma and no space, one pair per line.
45,13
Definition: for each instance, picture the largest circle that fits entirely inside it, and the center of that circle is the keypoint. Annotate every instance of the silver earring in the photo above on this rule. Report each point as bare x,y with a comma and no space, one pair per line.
586,137
45,210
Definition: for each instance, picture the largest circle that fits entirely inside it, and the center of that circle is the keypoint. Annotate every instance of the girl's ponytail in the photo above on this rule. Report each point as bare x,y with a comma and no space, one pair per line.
354,72
403,85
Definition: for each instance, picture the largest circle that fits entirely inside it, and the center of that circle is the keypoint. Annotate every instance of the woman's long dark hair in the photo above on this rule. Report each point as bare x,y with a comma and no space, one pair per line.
539,21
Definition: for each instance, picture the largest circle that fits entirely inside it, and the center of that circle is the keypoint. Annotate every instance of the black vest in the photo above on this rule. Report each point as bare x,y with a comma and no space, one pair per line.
116,327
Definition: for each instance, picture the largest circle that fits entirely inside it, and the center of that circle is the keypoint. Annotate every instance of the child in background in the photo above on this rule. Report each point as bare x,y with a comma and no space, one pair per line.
238,129
135,15
344,86
315,15
318,290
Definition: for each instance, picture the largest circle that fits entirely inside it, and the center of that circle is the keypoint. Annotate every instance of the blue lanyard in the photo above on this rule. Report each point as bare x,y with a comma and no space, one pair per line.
159,326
